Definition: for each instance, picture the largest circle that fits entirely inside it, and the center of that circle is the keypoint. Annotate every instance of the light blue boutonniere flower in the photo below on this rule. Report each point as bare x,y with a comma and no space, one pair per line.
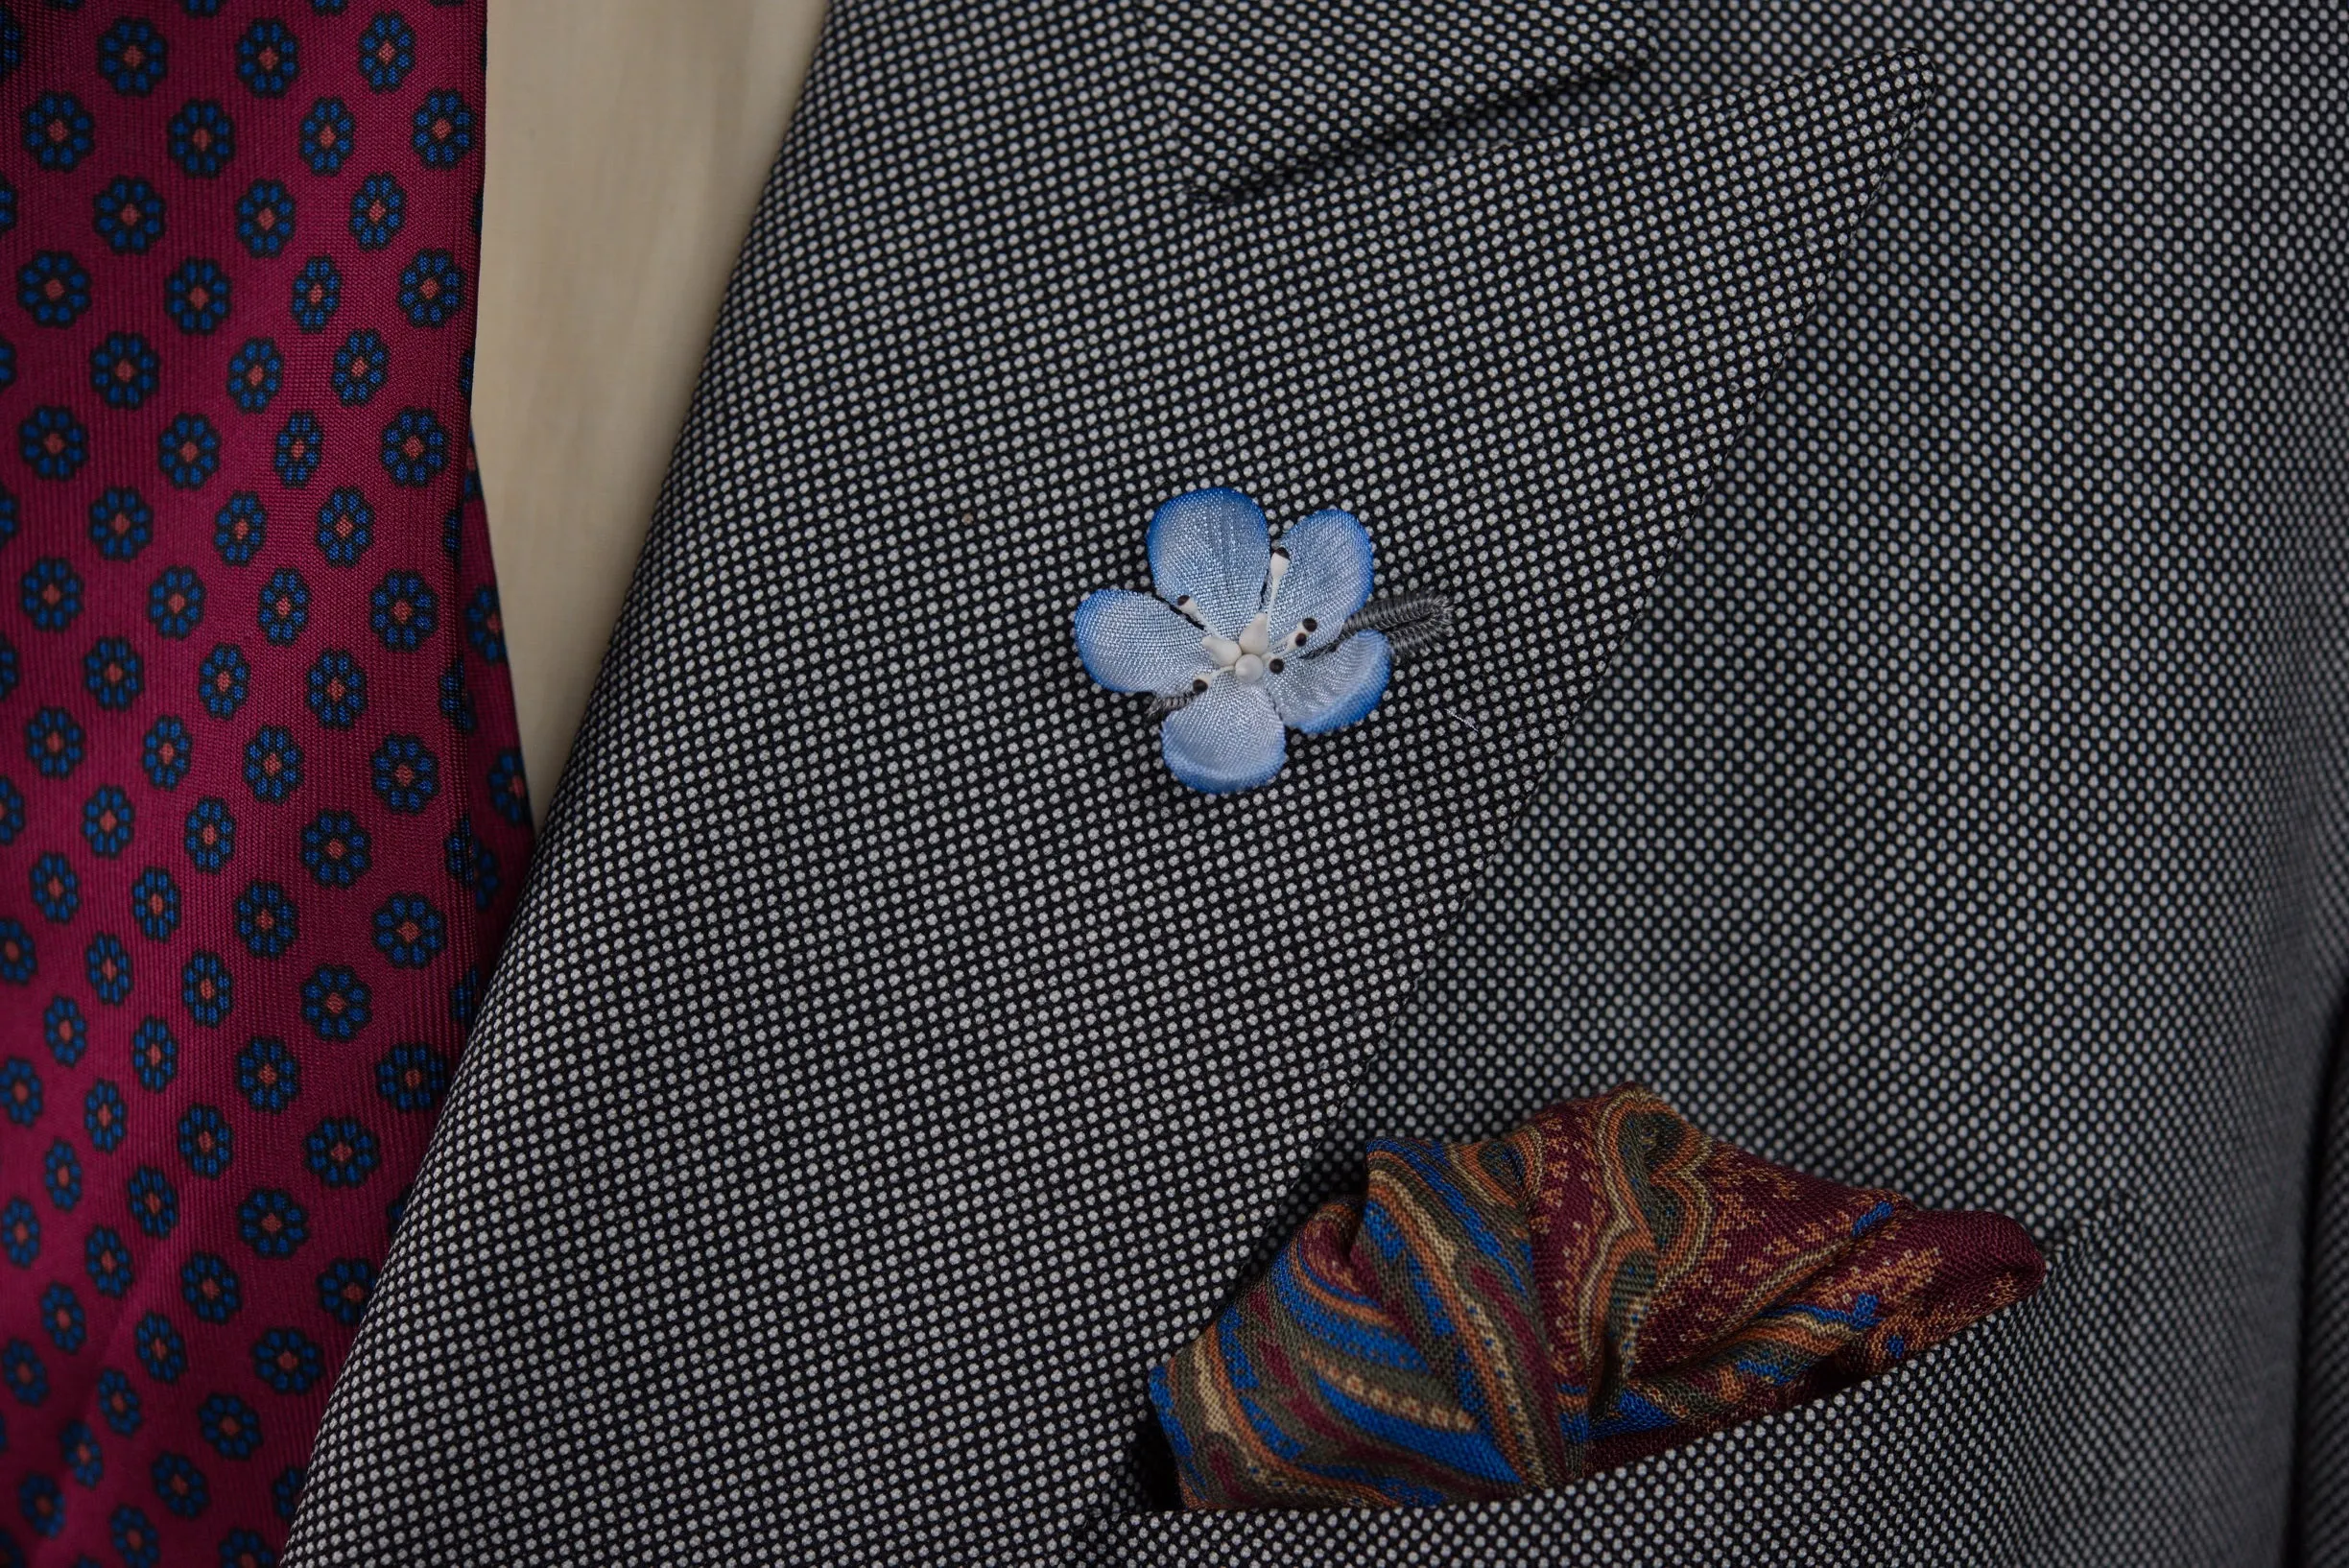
1245,639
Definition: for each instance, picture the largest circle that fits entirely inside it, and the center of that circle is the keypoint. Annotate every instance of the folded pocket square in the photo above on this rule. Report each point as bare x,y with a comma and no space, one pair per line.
1601,1284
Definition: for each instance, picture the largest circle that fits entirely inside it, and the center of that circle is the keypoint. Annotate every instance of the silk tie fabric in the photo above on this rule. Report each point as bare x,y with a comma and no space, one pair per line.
1604,1283
261,813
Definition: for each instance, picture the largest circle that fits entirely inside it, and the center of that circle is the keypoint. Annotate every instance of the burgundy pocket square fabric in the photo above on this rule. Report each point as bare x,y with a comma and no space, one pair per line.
1602,1283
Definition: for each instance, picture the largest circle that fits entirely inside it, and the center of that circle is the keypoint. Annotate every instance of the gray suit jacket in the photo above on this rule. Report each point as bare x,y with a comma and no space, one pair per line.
1891,468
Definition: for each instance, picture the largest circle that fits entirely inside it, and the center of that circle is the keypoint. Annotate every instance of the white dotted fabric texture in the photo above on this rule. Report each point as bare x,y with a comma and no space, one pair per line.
1246,103
890,1062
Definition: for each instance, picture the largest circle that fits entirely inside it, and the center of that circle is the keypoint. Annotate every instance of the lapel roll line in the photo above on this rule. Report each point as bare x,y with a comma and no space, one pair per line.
926,1058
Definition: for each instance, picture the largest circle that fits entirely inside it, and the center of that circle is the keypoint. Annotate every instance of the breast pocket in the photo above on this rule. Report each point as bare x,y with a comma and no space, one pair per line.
1989,1449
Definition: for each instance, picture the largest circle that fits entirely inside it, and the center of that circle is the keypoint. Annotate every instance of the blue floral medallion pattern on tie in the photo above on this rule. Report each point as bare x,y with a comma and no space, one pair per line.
1244,640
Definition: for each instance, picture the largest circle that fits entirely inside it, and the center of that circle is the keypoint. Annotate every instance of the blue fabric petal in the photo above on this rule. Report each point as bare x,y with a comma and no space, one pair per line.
1131,642
1339,688
1329,575
1229,738
1212,545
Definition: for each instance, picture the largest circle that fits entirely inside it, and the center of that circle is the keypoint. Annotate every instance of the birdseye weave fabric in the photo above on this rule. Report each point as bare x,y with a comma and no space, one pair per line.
262,817
1604,1283
893,1063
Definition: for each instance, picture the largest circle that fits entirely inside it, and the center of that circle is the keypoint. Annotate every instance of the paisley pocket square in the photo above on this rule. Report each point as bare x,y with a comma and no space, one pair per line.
1605,1282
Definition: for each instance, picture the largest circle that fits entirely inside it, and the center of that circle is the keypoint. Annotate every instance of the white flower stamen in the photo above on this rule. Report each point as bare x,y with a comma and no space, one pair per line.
1255,652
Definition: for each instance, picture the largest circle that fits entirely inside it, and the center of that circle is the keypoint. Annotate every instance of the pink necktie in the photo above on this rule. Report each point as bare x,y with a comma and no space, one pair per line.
262,818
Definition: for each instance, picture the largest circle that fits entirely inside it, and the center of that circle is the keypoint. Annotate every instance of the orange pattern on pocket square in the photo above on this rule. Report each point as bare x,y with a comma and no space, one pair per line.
1603,1283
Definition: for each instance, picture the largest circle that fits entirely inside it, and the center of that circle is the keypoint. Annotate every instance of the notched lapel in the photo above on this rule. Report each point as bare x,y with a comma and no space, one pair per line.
1256,91
1521,372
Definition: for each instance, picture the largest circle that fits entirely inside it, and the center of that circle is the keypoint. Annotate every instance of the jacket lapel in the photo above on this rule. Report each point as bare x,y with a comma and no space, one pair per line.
982,1049
1521,371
